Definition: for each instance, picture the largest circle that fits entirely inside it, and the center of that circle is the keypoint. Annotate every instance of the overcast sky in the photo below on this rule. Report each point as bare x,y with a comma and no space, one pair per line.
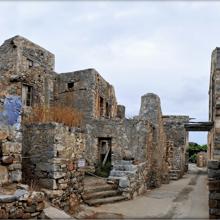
139,47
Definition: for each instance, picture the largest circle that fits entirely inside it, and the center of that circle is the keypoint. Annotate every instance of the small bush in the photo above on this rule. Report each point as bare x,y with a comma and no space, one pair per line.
59,114
103,171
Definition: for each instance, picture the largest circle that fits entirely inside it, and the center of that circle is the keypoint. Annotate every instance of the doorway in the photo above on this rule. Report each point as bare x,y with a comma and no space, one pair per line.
103,167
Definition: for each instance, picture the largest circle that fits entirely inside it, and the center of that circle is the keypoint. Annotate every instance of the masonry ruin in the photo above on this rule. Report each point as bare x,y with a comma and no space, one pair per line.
143,152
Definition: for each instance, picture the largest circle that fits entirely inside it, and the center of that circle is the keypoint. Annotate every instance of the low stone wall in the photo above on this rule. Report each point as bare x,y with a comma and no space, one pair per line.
51,155
22,204
131,177
214,188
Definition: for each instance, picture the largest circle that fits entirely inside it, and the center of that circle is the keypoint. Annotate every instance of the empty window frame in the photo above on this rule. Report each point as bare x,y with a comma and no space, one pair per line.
30,63
101,106
27,95
107,110
70,85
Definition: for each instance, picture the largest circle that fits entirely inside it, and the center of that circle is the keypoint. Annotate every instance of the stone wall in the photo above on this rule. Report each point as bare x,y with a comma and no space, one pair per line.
131,177
26,72
22,204
51,153
214,106
176,133
151,111
98,95
214,137
214,188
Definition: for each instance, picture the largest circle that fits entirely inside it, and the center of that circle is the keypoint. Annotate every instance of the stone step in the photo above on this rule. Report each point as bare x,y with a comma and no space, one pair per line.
100,188
102,194
123,162
125,167
120,173
96,202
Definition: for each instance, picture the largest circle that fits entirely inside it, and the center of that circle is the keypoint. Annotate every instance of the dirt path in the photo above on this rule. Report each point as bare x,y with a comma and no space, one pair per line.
185,198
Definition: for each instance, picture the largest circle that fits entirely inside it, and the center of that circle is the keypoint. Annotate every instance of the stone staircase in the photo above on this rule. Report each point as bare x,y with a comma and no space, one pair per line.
123,171
100,192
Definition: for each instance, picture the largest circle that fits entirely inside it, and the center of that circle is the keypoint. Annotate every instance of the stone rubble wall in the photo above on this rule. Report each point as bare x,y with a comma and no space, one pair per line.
214,188
176,134
23,204
51,152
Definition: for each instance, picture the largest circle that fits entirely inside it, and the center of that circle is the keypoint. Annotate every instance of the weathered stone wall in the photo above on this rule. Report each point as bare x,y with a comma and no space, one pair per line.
17,53
176,133
151,111
214,106
214,188
214,137
22,204
24,65
88,92
129,139
131,177
51,152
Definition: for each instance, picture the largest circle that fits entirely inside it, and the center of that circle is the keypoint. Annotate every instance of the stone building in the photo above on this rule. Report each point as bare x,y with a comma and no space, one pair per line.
143,151
214,136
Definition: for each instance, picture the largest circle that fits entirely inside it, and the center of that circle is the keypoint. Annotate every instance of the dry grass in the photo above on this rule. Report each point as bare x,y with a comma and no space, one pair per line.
60,114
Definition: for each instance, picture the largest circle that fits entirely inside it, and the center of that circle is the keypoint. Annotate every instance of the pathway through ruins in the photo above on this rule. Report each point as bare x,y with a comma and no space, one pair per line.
185,198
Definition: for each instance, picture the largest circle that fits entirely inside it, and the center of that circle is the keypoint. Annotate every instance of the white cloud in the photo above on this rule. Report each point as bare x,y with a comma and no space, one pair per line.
139,47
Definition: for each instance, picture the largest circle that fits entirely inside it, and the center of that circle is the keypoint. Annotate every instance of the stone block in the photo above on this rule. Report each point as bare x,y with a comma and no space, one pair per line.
7,159
16,176
214,196
124,182
58,175
48,183
214,173
20,193
44,166
7,198
14,166
11,147
214,185
213,203
213,211
213,164
3,175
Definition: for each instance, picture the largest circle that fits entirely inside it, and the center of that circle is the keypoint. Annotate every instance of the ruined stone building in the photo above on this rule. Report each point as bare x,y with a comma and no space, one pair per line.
144,151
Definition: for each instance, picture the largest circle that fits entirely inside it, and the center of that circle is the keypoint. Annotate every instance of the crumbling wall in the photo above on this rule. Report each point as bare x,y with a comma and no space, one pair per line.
51,153
176,134
88,92
22,204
